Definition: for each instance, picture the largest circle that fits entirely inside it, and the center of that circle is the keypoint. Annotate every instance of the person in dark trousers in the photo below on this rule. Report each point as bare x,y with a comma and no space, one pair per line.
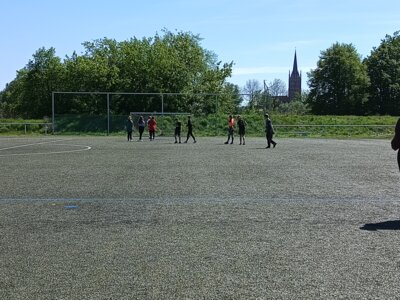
129,128
152,124
190,130
141,124
178,126
242,130
231,129
148,128
269,131
396,141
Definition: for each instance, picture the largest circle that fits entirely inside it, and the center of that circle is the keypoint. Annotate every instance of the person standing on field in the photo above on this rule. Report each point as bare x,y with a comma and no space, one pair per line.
190,130
152,128
396,141
129,128
269,131
231,128
178,126
148,128
141,124
242,130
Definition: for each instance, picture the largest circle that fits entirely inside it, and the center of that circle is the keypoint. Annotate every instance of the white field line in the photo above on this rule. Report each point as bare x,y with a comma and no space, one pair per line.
85,148
27,145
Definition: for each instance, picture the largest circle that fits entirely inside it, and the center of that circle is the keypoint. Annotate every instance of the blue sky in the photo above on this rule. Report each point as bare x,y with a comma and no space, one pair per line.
259,36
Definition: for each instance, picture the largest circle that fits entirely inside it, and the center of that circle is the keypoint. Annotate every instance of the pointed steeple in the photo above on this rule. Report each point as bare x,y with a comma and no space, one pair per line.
294,80
295,71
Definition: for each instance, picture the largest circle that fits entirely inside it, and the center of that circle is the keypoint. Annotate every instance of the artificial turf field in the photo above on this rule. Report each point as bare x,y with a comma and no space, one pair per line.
101,218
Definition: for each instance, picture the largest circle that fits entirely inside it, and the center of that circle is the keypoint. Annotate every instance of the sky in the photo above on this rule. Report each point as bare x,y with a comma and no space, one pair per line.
259,36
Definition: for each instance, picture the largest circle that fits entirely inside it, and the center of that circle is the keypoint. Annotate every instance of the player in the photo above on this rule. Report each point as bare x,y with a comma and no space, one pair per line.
190,130
231,128
129,128
269,131
141,124
242,130
396,141
152,124
178,126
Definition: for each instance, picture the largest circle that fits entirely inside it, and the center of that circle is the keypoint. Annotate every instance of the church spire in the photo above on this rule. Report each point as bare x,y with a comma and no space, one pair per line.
295,71
294,80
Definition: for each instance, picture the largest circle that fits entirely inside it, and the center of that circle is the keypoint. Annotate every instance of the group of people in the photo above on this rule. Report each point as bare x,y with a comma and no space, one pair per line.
152,127
178,129
141,124
269,130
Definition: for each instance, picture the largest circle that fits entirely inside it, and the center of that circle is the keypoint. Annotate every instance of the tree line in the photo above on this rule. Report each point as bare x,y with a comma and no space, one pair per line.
343,83
170,62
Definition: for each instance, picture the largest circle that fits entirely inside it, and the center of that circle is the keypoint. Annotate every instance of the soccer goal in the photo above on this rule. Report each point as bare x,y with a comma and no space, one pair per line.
107,112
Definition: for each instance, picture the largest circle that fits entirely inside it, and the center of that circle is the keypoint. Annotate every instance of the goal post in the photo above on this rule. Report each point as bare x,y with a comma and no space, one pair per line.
105,112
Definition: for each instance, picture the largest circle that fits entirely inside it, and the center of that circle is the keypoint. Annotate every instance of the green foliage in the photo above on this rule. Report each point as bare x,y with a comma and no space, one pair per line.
294,108
339,83
175,62
21,126
29,95
384,72
166,63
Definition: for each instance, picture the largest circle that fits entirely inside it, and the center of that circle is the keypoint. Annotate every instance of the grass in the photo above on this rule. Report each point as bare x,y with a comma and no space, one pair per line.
216,125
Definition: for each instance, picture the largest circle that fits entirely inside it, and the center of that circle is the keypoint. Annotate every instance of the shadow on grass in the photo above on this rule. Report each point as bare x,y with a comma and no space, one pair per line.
387,225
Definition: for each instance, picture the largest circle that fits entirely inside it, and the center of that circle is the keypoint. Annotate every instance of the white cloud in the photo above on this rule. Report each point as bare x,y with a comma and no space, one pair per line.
265,70
259,70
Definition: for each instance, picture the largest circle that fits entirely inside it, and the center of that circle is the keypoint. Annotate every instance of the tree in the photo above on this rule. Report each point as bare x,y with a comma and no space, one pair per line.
253,92
29,95
230,99
166,63
384,72
298,106
276,88
339,83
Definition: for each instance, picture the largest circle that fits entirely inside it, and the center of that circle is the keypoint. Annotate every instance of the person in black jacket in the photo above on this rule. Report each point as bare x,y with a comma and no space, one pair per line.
269,130
242,130
396,141
190,130
178,126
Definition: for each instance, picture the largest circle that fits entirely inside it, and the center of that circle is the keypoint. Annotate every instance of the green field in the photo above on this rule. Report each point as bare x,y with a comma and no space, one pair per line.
90,217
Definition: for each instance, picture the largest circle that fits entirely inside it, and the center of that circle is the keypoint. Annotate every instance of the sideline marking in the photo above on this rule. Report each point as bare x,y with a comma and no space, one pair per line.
85,148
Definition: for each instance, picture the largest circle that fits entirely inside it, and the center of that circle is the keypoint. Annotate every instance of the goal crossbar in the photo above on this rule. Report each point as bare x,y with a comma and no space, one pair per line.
136,113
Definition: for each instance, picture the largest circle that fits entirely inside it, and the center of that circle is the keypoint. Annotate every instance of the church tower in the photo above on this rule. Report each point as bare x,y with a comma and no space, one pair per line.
294,80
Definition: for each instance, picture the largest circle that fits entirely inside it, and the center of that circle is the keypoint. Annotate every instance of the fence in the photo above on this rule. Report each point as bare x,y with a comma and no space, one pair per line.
203,128
337,130
100,112
26,127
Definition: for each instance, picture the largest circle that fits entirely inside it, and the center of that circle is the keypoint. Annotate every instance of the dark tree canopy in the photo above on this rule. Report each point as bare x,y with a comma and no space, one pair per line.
339,83
384,72
166,63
